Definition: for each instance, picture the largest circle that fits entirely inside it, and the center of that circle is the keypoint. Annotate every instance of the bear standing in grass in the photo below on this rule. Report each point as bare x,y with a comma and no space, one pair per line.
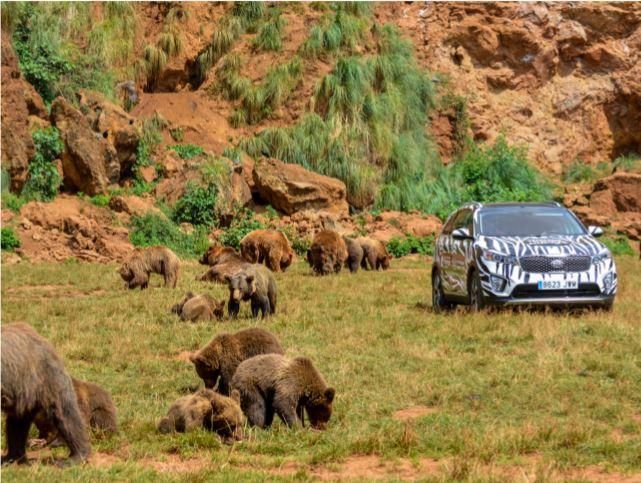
354,254
273,384
375,254
145,261
205,409
255,283
35,380
218,360
328,252
199,307
267,246
223,262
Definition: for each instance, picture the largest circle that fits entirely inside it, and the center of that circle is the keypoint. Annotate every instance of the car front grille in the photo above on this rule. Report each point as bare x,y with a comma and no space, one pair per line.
531,291
573,263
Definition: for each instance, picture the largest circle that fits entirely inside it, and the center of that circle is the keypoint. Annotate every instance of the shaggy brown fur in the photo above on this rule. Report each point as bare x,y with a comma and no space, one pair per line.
269,246
205,409
216,254
34,379
199,307
218,360
375,254
255,283
224,262
96,407
328,252
273,384
354,254
145,261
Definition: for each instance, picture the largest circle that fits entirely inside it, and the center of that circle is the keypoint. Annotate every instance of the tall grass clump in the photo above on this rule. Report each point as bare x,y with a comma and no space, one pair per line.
342,30
269,35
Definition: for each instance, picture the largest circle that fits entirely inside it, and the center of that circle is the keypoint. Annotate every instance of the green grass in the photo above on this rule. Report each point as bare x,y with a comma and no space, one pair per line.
544,391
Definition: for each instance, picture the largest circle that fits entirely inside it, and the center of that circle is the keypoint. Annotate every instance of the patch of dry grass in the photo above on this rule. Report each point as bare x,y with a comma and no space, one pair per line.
552,392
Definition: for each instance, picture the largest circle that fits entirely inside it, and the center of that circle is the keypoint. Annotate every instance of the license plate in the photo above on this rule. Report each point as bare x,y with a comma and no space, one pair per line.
558,284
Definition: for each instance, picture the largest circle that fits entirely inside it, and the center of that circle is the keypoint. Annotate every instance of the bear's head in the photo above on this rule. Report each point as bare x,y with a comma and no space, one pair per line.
286,260
242,286
126,273
227,417
177,309
207,368
386,261
319,408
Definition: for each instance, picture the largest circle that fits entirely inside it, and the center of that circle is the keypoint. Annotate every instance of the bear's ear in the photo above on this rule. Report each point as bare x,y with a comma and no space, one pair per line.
217,405
250,279
227,278
196,359
235,395
189,295
330,392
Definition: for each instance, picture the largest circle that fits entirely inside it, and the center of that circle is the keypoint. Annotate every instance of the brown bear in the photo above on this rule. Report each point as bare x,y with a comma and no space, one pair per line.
255,283
224,261
328,252
269,246
199,307
96,408
218,360
217,254
34,379
354,254
273,384
145,261
205,409
374,254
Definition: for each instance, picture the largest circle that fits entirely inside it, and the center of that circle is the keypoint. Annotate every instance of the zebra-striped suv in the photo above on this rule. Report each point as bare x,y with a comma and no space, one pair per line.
520,253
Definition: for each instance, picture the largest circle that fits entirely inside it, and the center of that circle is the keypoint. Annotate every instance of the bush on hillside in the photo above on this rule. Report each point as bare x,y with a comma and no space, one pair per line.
153,229
618,244
197,206
399,247
43,179
8,239
241,224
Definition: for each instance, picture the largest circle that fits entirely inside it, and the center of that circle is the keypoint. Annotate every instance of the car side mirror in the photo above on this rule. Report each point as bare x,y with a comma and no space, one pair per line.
595,231
461,234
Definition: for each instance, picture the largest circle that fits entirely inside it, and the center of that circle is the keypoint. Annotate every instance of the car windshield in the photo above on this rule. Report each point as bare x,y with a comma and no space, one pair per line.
528,221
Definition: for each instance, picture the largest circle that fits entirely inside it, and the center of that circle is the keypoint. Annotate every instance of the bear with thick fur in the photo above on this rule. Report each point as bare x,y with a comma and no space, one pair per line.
328,252
255,283
375,254
354,254
217,254
218,360
193,308
205,409
34,379
145,261
274,384
223,262
267,246
96,407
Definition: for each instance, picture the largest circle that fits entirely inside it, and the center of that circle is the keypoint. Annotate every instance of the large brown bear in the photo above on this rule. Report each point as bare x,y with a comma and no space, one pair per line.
34,380
375,254
269,246
96,408
205,409
224,262
328,252
145,261
255,283
199,307
354,254
273,384
218,360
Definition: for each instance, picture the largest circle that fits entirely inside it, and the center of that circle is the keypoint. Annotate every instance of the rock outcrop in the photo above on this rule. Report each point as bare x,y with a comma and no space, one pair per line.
290,188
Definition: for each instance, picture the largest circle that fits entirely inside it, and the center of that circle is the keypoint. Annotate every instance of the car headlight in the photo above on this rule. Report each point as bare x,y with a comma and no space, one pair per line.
498,257
604,256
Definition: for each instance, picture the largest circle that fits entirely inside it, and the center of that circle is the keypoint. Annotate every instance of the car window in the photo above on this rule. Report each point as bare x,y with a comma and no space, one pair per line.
449,224
464,220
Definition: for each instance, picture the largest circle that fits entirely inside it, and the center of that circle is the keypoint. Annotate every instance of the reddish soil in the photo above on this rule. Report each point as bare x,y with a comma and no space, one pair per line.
413,412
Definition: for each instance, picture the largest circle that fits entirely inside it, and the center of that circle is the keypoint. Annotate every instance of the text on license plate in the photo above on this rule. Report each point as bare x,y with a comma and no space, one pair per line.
558,284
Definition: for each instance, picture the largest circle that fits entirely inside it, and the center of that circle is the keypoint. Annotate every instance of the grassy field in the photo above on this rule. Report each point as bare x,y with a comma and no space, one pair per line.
492,396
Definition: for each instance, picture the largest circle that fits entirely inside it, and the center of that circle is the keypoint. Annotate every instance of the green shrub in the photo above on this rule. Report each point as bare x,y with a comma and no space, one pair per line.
299,244
153,229
177,134
618,244
242,224
196,206
399,247
43,179
629,162
100,200
8,239
12,202
187,151
578,172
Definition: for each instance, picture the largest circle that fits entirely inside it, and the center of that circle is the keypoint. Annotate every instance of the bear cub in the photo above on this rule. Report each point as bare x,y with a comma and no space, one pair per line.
193,308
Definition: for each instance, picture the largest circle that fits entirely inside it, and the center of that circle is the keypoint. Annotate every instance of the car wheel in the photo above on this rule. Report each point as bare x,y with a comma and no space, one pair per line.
439,302
476,299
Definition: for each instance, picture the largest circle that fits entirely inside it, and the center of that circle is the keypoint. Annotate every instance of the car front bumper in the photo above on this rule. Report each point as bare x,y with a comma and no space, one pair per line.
561,301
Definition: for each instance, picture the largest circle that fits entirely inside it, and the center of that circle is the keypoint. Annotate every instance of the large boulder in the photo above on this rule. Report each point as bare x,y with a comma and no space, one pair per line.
618,193
290,188
19,101
89,162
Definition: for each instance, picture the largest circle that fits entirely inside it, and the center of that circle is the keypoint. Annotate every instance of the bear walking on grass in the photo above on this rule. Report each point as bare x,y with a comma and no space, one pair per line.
145,261
218,360
273,384
96,407
205,409
35,380
193,308
267,246
354,254
327,253
255,283
375,254
223,262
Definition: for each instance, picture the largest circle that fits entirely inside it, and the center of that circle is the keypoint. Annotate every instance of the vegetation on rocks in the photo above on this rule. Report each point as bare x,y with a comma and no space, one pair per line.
154,229
8,239
400,247
43,180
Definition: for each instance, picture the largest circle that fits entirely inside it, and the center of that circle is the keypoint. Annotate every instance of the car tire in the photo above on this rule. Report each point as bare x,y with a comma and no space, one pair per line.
439,302
475,291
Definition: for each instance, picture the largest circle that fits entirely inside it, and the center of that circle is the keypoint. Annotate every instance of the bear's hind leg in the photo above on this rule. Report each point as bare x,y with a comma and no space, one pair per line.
17,433
256,411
